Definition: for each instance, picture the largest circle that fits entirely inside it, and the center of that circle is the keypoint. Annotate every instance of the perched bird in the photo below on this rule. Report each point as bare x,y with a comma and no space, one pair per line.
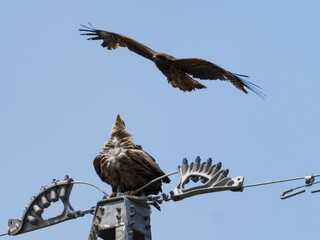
125,165
176,70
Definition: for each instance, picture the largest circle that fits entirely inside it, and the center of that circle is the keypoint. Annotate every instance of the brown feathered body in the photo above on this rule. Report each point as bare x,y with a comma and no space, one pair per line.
126,165
177,71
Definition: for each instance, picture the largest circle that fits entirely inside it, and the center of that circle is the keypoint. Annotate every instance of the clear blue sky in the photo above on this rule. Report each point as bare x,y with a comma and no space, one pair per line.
59,96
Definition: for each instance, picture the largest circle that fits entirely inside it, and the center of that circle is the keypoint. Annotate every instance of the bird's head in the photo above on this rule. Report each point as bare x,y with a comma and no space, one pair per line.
119,129
161,57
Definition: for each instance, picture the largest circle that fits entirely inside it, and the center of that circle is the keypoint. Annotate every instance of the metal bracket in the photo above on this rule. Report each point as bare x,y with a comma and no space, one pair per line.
214,179
309,181
124,217
32,215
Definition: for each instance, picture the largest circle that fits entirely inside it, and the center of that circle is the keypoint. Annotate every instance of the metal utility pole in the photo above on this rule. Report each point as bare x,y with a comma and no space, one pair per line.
121,218
128,217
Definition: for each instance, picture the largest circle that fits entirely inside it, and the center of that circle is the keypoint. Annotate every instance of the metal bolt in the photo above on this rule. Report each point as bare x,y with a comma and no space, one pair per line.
119,210
195,178
132,206
132,214
101,210
203,179
147,227
66,177
146,218
95,226
132,223
33,197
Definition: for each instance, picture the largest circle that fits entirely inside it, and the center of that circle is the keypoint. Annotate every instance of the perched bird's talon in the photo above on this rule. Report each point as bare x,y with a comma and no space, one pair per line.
131,192
114,194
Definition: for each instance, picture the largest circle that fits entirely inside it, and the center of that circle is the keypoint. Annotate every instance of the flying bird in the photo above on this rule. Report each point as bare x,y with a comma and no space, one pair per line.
178,71
125,165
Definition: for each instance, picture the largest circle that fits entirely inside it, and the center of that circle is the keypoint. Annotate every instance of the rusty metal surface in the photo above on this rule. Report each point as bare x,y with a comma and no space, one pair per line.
121,218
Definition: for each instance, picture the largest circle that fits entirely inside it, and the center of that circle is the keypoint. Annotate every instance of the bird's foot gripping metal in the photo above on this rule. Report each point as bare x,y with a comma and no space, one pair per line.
32,216
114,194
131,192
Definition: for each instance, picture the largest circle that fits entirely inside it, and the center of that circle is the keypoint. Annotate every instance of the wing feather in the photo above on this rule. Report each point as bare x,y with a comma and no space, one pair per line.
113,40
202,69
147,161
97,164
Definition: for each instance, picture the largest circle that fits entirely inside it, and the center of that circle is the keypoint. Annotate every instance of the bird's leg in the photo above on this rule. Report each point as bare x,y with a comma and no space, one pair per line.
119,191
115,192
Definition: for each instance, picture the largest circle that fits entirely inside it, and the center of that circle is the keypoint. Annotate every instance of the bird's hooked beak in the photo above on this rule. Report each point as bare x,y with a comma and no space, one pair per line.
154,58
119,130
119,121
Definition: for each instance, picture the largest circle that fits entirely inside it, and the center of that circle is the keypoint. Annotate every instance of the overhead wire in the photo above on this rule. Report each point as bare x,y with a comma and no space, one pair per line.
90,184
279,181
154,180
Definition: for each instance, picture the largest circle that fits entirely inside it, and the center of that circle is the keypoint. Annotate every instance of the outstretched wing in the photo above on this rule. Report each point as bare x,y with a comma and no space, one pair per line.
113,40
202,69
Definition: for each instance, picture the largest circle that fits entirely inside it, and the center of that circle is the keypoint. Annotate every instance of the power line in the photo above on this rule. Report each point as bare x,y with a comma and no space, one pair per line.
154,180
279,181
90,184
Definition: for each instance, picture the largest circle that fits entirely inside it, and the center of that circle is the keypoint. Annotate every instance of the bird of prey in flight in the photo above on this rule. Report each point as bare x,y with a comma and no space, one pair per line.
125,165
177,70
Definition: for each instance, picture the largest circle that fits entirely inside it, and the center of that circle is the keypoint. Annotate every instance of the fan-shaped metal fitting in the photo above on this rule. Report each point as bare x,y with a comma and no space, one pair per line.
212,176
32,216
